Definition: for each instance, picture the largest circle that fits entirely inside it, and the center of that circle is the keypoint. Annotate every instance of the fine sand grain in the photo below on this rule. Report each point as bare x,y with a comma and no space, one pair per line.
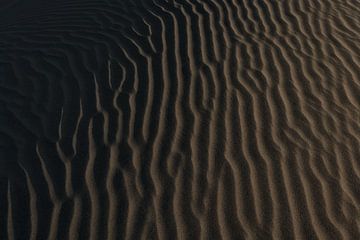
180,119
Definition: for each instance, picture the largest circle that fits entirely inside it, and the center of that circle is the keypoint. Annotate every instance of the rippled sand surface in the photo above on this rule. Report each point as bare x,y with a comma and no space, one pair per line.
180,119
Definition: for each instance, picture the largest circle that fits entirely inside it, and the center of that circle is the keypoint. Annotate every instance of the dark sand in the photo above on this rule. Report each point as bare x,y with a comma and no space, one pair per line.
180,119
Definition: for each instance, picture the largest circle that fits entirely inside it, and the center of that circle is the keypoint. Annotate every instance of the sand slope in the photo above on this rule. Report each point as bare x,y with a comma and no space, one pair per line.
191,119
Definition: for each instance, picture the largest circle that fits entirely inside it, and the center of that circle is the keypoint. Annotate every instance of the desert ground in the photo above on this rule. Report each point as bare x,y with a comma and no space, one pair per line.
180,119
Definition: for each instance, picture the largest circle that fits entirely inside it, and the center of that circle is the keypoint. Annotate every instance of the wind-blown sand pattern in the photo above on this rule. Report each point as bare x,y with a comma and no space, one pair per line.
180,119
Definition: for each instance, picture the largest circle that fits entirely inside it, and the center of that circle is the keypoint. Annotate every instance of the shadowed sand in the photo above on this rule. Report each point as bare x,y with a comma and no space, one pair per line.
191,119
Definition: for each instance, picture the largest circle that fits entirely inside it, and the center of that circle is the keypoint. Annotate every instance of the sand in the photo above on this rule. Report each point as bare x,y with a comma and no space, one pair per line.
180,119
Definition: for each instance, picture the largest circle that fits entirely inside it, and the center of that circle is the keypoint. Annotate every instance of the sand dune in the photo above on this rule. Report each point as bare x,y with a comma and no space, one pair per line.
192,119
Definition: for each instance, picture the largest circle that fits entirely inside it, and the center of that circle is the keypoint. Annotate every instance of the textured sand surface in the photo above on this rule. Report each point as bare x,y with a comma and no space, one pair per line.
180,119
